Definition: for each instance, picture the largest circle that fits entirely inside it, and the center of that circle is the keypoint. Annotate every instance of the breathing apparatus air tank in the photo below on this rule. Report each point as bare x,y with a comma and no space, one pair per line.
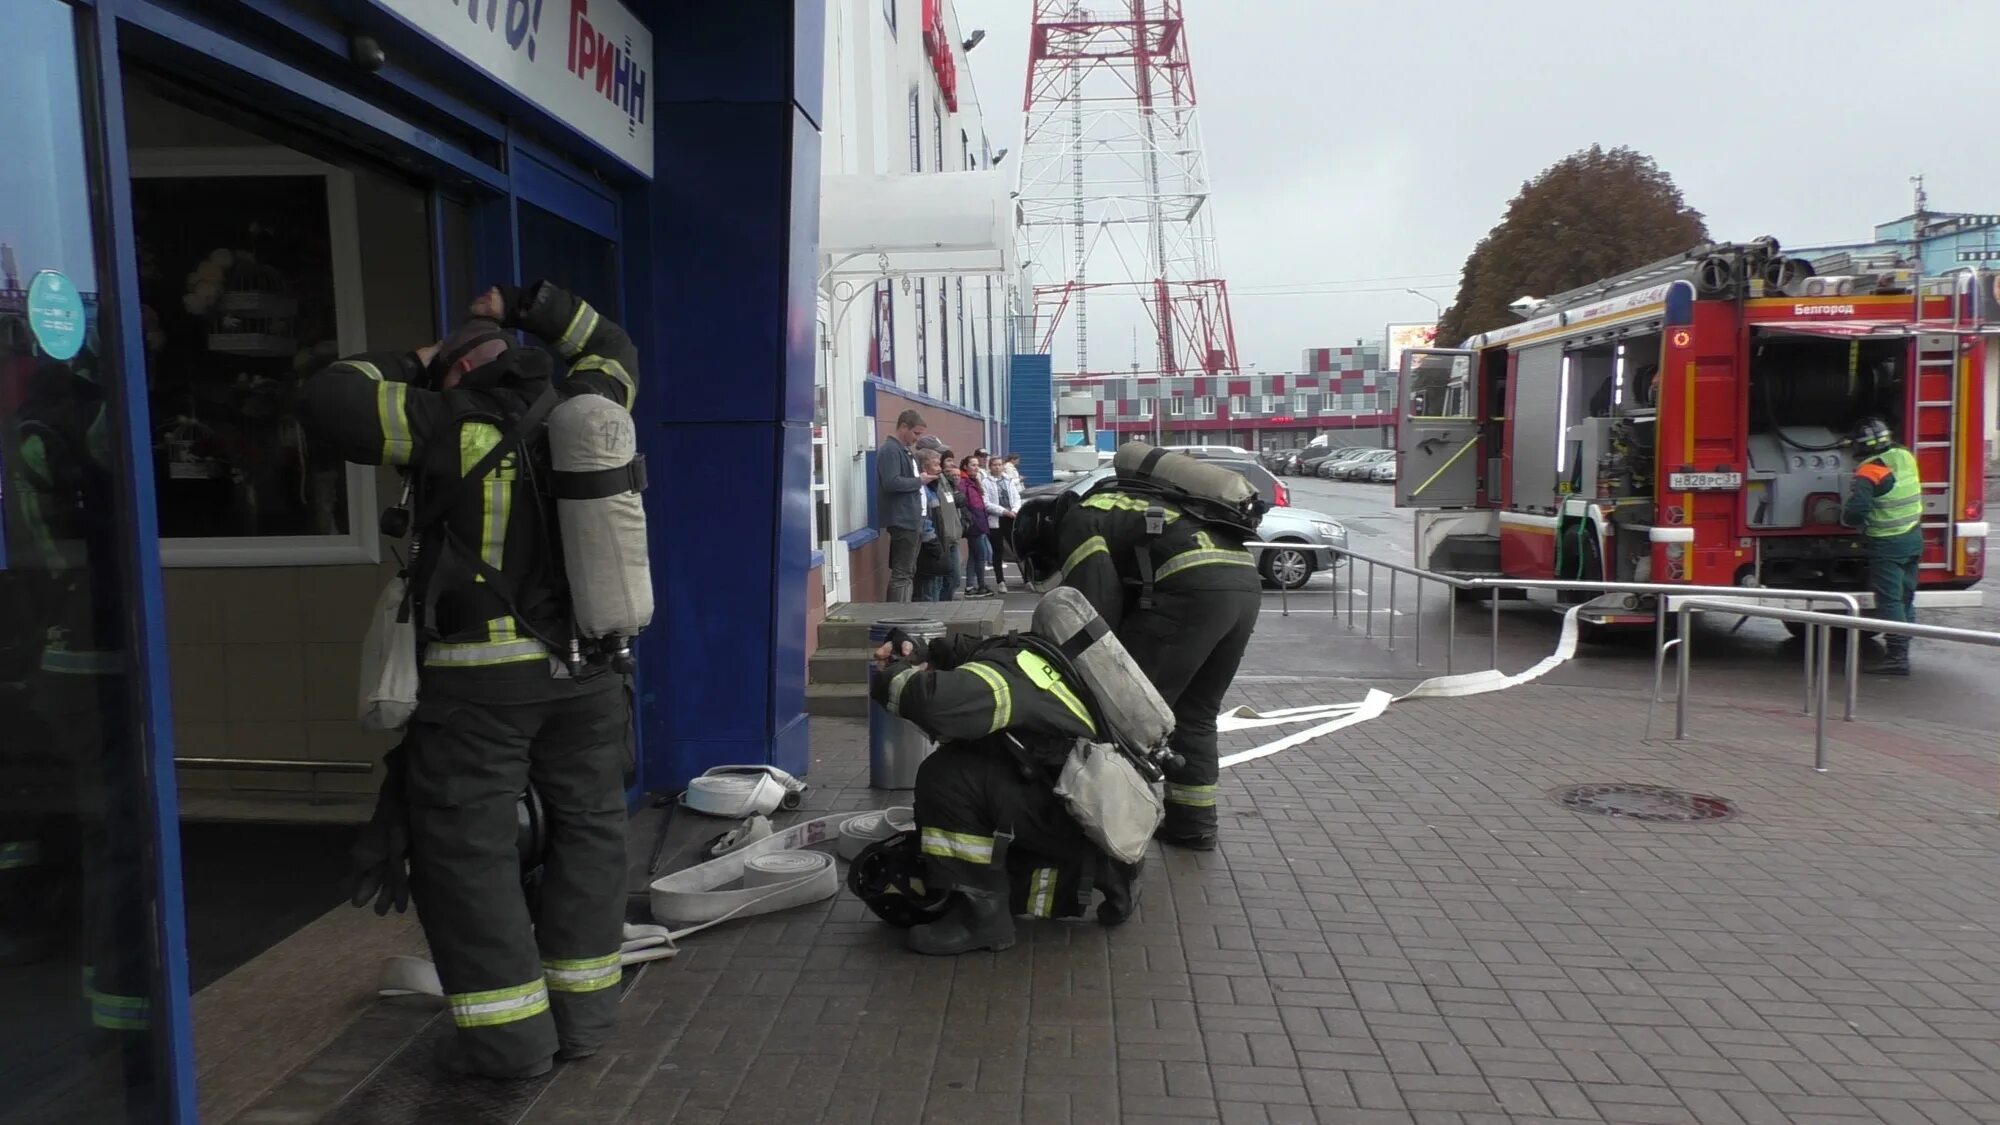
1221,494
598,478
1126,697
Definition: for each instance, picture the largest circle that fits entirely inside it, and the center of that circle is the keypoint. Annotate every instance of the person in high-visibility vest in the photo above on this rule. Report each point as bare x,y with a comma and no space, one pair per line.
1886,503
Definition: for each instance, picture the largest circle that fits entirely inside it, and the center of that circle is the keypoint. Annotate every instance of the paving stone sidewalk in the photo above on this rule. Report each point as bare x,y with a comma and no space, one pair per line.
1402,927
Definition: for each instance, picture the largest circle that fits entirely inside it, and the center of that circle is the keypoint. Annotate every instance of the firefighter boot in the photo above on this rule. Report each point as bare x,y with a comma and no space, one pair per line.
1120,883
978,920
1894,661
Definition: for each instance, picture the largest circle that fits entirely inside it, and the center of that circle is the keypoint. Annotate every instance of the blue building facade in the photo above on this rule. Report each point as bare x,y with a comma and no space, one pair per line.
244,188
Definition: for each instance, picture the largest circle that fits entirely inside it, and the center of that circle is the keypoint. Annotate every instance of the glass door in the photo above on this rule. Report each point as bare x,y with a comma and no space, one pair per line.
83,1027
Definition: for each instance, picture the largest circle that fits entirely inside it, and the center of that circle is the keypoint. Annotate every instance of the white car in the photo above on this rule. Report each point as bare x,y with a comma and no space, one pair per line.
1384,473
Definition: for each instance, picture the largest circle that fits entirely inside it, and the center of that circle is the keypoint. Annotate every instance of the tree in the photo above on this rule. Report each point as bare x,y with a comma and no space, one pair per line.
1594,214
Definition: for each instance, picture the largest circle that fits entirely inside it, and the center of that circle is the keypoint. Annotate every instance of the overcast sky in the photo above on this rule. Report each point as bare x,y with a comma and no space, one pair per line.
1363,139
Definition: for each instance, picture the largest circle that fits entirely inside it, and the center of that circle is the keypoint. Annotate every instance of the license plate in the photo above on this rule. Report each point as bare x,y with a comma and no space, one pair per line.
1703,482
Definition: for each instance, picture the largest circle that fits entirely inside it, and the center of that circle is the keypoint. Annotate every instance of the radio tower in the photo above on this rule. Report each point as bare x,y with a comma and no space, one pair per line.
1114,188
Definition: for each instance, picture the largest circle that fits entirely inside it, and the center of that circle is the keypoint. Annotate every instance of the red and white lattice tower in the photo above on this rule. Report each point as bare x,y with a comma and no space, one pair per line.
1113,208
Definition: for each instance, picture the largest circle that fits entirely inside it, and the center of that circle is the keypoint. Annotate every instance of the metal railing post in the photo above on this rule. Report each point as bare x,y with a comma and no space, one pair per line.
1450,625
1681,681
1825,669
1353,570
1368,615
1853,668
1392,611
1493,644
1284,597
1812,643
1420,621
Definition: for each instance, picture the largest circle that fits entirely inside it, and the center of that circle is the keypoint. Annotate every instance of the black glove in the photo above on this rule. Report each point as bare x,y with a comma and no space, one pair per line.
381,854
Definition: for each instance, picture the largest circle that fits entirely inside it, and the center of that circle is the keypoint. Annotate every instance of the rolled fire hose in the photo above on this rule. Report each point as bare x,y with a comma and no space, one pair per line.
761,877
868,828
740,791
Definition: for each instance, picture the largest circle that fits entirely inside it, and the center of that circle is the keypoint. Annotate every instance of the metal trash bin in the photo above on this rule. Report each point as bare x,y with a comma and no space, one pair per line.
896,746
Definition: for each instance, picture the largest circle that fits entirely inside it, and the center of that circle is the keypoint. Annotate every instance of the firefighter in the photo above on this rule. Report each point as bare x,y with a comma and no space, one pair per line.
89,772
498,706
986,805
1179,589
1886,502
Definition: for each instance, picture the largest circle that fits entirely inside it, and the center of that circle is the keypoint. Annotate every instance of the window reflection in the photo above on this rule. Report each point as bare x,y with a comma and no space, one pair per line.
77,958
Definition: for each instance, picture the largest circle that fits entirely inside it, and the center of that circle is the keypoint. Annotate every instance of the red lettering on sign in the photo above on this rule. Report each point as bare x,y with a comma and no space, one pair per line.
937,48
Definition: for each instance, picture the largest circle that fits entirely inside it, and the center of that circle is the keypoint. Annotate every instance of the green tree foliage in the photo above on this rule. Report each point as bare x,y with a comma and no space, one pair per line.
1594,214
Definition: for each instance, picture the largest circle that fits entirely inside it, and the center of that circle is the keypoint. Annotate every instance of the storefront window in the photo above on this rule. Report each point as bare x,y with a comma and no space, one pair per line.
79,983
570,256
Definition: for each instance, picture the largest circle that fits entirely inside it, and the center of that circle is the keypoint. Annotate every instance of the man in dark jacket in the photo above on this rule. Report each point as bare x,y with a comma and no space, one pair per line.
985,799
897,504
498,705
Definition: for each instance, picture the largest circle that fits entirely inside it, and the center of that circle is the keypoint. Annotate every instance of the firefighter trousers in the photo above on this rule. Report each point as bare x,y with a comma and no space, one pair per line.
520,987
1189,645
978,819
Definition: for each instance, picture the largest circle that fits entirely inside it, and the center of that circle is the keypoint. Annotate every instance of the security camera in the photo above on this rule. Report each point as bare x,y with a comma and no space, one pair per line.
366,53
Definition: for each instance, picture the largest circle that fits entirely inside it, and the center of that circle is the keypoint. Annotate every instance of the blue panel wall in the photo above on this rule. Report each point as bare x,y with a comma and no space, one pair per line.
725,416
1031,416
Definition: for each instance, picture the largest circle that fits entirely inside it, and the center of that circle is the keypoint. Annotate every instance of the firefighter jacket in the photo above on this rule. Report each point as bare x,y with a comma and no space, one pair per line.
975,690
1110,555
376,410
68,504
1887,499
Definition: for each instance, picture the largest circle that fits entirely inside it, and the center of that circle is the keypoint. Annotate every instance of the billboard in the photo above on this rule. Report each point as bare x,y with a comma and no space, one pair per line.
1399,337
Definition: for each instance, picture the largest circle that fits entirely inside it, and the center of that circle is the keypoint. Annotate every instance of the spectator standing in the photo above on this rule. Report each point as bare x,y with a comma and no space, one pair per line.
947,514
1004,504
899,506
973,490
930,569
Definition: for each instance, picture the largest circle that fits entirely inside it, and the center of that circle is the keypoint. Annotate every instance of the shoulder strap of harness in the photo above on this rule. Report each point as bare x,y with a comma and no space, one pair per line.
440,502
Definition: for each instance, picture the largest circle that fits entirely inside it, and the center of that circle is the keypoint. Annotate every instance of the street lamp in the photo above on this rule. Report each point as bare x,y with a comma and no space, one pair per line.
1428,297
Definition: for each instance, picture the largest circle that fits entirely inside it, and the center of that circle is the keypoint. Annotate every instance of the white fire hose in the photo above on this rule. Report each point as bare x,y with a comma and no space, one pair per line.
762,874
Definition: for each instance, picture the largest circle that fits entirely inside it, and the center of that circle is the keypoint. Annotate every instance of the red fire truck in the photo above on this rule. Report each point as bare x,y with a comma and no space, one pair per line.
1683,423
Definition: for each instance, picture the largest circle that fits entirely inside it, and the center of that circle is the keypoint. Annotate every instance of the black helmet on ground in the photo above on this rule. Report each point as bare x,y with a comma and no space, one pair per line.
888,876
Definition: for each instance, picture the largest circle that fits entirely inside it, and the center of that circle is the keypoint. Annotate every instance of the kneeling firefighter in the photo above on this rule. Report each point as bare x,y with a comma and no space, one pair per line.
1158,550
1043,788
527,578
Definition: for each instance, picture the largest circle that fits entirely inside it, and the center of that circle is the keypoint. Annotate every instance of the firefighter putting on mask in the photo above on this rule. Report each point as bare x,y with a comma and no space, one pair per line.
1158,551
1043,790
527,577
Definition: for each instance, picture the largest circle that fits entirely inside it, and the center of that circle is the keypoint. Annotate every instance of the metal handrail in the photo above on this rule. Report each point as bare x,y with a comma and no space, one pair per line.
1820,628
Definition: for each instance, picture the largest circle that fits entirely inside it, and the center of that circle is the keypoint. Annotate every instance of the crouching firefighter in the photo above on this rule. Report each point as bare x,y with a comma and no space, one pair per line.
523,667
1042,790
1158,551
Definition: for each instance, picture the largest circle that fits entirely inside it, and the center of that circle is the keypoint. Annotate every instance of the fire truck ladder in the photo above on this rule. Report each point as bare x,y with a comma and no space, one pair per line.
1933,434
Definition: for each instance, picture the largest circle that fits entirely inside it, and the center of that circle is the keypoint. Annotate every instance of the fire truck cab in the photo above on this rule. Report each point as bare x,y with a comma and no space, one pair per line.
1685,423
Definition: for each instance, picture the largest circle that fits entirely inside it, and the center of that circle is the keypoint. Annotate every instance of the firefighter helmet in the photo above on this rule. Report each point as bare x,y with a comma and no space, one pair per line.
1871,436
1034,540
888,876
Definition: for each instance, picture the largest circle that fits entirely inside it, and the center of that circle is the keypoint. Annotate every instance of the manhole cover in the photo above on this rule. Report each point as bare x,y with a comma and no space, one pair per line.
1644,802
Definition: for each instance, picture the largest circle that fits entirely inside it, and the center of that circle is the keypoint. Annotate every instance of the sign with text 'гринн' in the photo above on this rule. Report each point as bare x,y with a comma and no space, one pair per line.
588,63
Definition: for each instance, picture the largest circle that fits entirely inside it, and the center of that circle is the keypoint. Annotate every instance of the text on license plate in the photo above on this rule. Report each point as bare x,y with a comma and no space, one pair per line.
1703,482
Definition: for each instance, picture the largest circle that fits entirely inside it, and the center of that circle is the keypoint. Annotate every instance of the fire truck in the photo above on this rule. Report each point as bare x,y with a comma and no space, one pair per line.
1684,423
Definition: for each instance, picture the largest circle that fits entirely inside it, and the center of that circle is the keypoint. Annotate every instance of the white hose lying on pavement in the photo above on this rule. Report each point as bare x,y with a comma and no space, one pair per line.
1339,716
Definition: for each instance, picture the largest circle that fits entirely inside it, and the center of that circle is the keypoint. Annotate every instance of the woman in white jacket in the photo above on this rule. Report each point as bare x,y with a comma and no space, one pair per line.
1002,486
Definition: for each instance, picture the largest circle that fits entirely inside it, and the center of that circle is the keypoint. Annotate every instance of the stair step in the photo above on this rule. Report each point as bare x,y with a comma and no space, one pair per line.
841,666
842,701
847,624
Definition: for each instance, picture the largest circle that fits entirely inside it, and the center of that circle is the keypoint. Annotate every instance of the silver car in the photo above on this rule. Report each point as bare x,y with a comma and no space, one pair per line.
1306,541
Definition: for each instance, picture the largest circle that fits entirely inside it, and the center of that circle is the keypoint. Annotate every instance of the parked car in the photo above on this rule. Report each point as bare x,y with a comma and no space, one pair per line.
1384,473
1308,541
1310,464
1332,467
1361,467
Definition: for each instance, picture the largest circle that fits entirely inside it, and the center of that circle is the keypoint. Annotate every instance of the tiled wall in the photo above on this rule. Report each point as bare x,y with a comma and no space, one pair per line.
265,664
